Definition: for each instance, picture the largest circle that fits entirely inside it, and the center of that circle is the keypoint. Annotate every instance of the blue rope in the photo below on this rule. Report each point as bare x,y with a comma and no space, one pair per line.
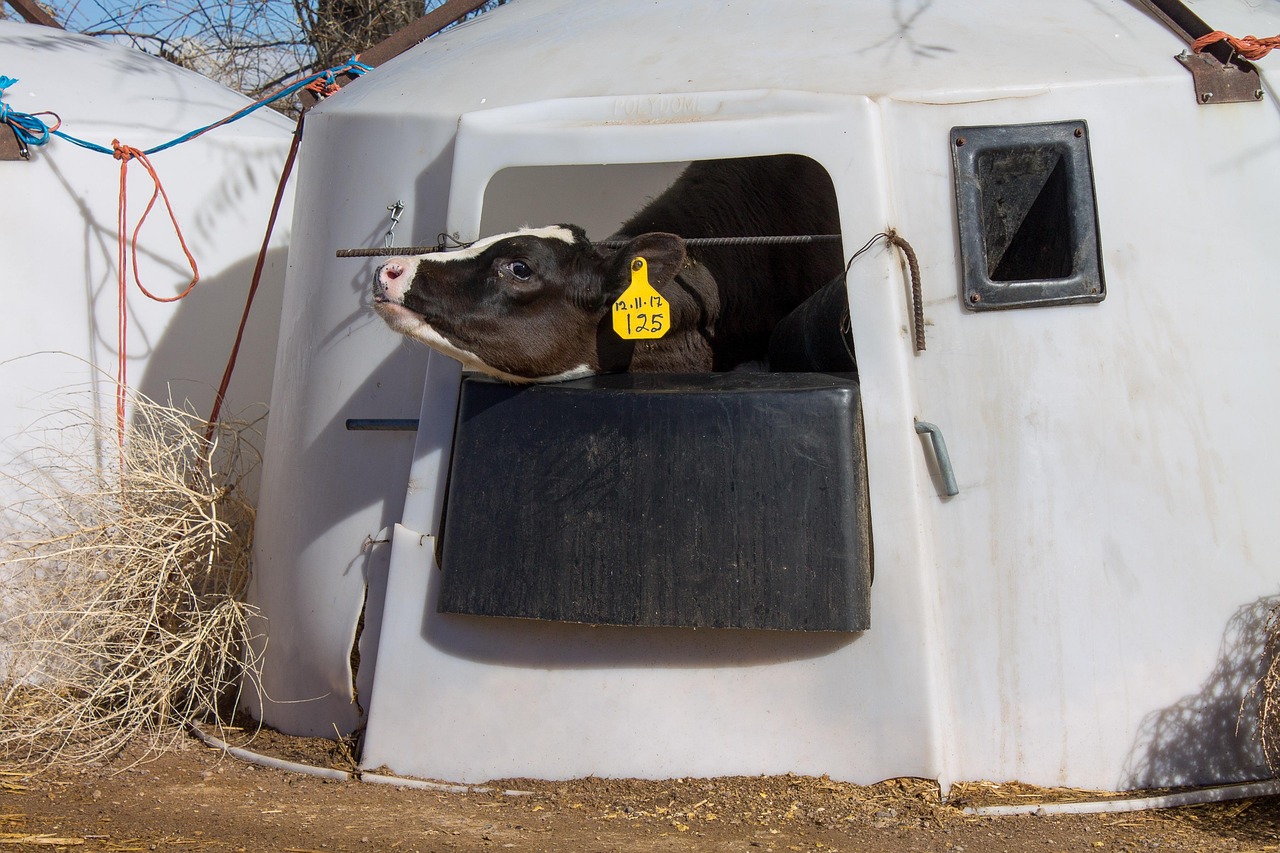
35,132
30,130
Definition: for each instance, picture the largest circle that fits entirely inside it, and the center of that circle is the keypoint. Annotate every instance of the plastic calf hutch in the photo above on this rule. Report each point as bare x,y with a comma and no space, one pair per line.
1085,610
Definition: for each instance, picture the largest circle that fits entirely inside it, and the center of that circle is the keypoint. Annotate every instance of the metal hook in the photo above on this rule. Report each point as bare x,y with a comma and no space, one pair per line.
396,209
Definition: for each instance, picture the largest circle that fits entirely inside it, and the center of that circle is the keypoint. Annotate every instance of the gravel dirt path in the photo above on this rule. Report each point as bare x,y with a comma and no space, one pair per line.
198,799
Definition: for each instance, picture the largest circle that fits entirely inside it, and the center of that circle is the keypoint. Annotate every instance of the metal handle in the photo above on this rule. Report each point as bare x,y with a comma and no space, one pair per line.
383,424
940,454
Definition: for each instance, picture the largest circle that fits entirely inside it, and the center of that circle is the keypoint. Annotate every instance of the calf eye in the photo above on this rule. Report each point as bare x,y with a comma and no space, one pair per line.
521,270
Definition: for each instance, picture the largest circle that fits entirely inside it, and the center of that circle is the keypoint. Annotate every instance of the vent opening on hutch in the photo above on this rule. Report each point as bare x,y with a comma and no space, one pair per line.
1027,215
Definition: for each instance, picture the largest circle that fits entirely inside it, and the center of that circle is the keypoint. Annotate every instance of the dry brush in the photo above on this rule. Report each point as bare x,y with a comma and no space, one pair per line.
123,578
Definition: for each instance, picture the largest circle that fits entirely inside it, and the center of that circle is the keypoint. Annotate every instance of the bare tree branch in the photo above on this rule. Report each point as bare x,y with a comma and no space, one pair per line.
250,45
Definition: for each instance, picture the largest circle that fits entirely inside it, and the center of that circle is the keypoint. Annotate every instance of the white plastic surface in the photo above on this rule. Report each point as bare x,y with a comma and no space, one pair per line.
573,700
1085,612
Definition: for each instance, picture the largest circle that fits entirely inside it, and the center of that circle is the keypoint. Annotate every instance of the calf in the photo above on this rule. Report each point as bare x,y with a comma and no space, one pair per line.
534,305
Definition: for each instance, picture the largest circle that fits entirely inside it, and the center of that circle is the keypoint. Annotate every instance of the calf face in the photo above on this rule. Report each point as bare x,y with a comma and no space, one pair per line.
529,306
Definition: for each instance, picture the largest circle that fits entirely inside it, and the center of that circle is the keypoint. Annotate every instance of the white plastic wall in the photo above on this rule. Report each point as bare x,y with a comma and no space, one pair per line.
1085,612
1105,571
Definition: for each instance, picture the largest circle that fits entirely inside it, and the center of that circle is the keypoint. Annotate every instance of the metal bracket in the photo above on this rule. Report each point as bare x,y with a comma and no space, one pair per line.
1217,82
1219,74
11,147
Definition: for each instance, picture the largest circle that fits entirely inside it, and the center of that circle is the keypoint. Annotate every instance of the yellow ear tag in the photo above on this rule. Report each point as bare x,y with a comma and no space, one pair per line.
641,312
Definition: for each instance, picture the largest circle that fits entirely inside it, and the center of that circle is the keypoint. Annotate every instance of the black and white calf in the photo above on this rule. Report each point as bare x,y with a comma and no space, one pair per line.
534,305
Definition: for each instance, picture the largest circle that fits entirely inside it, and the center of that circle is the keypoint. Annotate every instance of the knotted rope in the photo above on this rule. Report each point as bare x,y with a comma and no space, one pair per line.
29,129
1250,47
39,133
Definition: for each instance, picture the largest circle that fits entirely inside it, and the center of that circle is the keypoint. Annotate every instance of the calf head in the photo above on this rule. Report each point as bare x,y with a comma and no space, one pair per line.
529,306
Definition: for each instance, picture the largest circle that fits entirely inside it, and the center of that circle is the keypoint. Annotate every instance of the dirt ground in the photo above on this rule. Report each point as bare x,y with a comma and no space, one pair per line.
200,799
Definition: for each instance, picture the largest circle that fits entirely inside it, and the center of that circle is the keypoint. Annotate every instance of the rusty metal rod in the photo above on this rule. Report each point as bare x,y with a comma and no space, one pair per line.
33,14
773,240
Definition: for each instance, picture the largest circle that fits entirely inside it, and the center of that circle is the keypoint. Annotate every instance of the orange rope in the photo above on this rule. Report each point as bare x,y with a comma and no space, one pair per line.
321,88
327,84
129,248
1250,47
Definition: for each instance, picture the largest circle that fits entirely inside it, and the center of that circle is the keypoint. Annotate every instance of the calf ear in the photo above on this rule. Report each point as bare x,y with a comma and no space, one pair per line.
663,253
610,273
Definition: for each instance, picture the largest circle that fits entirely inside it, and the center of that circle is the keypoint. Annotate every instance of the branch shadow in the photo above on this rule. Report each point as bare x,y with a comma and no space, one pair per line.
1211,736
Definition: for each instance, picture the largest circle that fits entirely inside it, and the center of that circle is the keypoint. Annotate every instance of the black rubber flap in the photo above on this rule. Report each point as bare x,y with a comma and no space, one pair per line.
712,500
816,335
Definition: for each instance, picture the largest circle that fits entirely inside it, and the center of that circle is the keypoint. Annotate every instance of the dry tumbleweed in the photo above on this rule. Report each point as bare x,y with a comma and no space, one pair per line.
123,577
1269,690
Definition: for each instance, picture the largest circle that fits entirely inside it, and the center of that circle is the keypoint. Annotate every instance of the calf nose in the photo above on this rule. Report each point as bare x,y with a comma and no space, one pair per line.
392,279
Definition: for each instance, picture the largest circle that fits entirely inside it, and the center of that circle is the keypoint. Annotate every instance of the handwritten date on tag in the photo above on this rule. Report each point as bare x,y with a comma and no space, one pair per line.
641,311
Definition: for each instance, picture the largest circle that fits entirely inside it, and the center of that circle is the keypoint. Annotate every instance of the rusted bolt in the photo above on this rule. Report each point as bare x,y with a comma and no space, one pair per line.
975,297
959,141
1079,132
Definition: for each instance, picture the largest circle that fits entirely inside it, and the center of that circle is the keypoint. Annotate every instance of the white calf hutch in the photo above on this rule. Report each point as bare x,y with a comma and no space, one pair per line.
58,235
1085,610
